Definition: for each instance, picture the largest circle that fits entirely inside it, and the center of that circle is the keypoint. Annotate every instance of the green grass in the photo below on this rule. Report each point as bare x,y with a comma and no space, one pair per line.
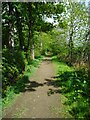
60,68
0,108
74,86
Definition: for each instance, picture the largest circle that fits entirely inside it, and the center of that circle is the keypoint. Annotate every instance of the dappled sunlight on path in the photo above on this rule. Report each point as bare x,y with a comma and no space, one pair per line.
41,97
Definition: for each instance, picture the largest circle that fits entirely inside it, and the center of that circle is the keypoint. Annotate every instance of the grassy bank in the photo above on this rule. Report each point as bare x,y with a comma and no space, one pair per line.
74,86
60,68
19,87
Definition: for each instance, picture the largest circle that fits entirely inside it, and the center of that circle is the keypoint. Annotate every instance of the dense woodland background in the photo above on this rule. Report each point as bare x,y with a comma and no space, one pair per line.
27,36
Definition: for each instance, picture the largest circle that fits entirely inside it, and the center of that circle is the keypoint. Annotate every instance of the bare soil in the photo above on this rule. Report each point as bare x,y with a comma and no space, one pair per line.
41,99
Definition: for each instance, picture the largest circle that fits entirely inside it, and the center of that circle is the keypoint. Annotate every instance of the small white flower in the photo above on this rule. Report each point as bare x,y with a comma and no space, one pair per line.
84,81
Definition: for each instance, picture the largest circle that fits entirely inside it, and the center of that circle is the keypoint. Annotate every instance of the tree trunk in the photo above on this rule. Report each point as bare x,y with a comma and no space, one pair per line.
71,46
41,46
30,25
10,27
19,30
32,52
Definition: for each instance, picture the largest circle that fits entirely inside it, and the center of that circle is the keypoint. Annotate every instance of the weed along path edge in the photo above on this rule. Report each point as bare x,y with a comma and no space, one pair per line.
41,97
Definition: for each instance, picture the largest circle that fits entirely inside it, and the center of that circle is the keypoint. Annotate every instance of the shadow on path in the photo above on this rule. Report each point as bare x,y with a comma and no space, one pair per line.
53,83
25,84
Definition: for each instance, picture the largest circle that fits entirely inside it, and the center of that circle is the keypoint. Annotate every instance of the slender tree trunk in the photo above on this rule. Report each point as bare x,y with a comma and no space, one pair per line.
41,46
30,41
10,27
71,46
19,30
71,34
89,65
32,52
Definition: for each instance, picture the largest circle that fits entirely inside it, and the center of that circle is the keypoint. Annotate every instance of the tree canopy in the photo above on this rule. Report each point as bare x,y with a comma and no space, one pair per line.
27,35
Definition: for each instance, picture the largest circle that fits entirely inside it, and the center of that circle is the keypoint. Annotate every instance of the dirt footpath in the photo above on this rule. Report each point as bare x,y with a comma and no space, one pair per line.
41,98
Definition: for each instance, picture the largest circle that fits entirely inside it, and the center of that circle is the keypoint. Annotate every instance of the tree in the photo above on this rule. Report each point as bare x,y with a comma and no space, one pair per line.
8,25
36,12
75,19
19,26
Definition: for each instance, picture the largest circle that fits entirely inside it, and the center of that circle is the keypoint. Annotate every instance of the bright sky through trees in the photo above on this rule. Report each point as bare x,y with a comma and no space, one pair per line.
29,33
51,20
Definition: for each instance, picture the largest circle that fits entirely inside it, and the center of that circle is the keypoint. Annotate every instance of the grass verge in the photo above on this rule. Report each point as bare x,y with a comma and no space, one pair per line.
14,91
75,86
60,68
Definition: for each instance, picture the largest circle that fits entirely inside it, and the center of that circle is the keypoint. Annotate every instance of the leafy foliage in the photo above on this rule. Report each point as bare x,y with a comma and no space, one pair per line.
13,65
28,36
20,83
75,87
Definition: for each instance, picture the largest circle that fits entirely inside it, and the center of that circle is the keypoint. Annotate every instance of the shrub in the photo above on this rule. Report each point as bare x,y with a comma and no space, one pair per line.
13,64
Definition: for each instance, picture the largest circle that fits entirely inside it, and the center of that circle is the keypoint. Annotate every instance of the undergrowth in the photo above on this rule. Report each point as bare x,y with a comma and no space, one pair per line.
13,91
74,86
